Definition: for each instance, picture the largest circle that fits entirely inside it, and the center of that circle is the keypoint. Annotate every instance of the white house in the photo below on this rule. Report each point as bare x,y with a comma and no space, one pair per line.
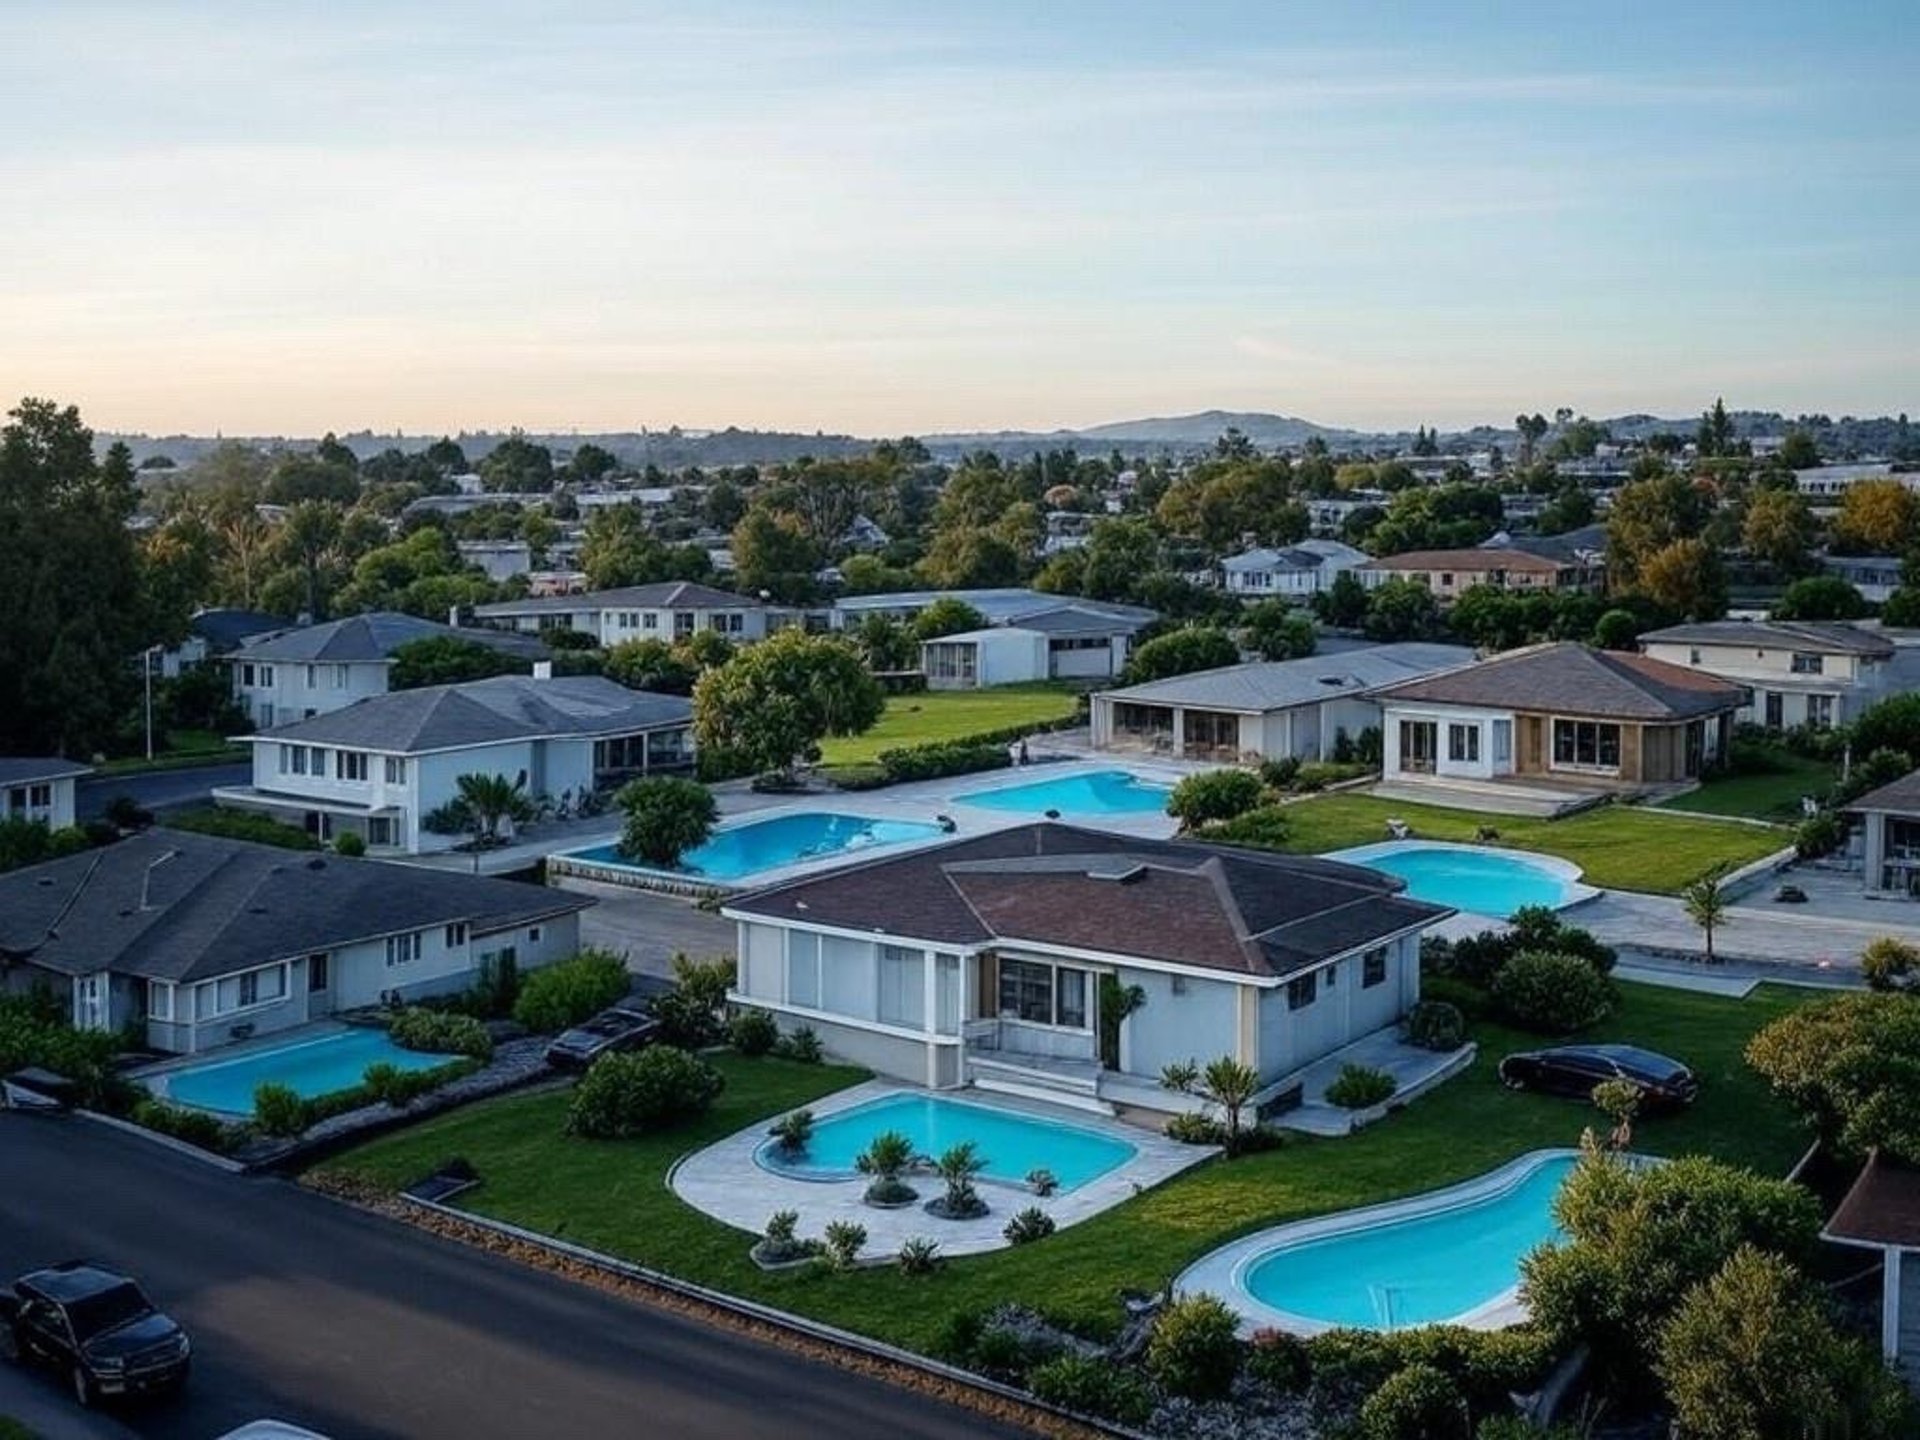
39,789
998,606
1798,672
669,611
983,961
1065,642
202,941
497,559
381,767
213,633
1876,577
307,670
1291,571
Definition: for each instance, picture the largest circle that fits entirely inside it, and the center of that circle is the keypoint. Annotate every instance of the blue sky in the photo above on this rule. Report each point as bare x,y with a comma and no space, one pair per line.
915,217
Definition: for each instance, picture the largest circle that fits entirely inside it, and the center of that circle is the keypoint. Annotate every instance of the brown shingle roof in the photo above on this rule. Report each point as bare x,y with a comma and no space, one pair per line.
1469,559
1571,679
1882,1208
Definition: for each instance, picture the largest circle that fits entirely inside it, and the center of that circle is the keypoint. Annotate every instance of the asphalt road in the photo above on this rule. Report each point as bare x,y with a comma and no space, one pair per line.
156,789
304,1310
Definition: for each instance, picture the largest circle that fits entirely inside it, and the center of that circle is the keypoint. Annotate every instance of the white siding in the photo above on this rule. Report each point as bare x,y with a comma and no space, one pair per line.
762,950
1182,1019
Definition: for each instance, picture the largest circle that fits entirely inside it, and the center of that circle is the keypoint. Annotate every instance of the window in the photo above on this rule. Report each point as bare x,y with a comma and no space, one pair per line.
1070,998
650,620
396,770
339,677
403,949
317,759
1373,968
946,994
312,676
353,765
1303,991
1808,664
1693,655
1776,710
1820,711
1463,743
803,969
159,1000
1587,743
380,830
246,675
256,987
456,934
266,675
40,797
1503,740
317,977
296,757
1026,991
534,932
903,986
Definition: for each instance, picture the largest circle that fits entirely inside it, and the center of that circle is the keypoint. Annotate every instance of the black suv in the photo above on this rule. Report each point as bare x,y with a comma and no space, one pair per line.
99,1327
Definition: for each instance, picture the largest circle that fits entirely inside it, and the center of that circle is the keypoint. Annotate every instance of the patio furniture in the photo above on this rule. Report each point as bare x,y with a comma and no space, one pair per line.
1398,829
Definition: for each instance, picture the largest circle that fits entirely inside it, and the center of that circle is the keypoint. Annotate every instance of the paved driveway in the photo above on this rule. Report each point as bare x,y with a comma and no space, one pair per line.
651,928
157,789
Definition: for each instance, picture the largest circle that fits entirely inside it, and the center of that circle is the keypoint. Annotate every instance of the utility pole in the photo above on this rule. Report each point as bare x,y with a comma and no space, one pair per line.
146,676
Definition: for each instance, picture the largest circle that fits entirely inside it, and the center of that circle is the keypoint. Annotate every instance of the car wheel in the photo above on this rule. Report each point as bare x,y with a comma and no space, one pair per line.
1512,1082
83,1390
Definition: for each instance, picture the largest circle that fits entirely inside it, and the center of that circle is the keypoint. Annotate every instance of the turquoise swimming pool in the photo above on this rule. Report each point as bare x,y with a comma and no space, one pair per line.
1095,792
314,1066
743,850
1485,882
1012,1144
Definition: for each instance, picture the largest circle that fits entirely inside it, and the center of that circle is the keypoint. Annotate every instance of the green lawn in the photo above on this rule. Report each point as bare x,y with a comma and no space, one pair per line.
1620,847
1768,795
952,715
612,1196
178,750
14,1430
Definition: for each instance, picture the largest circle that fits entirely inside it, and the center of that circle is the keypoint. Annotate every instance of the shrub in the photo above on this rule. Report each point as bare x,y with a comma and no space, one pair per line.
693,1014
1416,1403
387,1082
1436,1025
496,988
1042,1182
1851,1066
1552,994
1819,835
1029,1225
350,844
886,1159
555,997
1190,1127
1214,795
754,1032
843,1242
1193,1350
666,816
196,1127
1266,828
1088,1385
242,825
632,1094
802,1045
794,1131
1280,773
1360,1087
1485,1365
1888,964
918,1256
440,1032
959,1167
858,776
278,1110
1279,1361
940,759
781,1241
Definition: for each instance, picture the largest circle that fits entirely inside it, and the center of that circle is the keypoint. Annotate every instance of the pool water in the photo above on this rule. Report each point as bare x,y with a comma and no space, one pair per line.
1011,1144
1476,880
308,1067
1098,792
747,849
1422,1269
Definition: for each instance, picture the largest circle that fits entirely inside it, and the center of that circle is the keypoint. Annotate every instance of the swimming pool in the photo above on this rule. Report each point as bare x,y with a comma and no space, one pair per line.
315,1066
757,845
1472,877
1450,1256
1012,1144
1095,792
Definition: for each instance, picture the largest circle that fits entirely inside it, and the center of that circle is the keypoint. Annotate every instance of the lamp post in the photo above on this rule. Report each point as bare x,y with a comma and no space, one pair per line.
146,677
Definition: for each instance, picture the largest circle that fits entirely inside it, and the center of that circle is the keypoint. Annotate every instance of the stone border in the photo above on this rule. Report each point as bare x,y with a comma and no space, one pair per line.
726,1181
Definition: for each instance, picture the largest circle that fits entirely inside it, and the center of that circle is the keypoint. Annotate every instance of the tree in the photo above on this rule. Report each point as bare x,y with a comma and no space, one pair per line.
1686,578
1651,511
1117,555
482,803
1851,1066
1277,631
771,553
518,466
1820,597
1401,610
1617,630
590,463
970,558
1779,529
448,660
666,816
948,615
1715,435
886,643
308,542
298,479
1228,1083
1877,517
447,457
776,700
1343,603
1214,795
1798,450
1532,429
1706,901
619,551
1181,652
651,665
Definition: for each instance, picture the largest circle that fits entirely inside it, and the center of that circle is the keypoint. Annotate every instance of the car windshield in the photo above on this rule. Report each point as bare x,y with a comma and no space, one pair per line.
1647,1062
106,1310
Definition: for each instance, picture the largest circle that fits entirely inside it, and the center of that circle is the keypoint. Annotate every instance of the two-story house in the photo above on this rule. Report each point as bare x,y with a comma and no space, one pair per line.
382,767
1290,571
673,610
1798,672
297,673
39,789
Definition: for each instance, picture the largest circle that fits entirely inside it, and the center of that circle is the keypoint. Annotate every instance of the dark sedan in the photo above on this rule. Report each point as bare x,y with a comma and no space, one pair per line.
624,1027
99,1327
1575,1069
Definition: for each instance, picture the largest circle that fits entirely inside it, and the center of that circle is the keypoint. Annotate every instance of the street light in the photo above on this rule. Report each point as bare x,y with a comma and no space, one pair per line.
146,676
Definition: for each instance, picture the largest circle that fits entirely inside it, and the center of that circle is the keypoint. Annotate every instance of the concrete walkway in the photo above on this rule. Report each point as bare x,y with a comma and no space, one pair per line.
1756,931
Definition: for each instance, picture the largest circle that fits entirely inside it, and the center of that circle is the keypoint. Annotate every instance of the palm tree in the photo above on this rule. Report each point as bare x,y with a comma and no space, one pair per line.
487,800
1707,903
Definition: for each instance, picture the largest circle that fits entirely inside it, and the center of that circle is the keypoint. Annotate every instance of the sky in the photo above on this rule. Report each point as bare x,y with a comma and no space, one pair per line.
917,217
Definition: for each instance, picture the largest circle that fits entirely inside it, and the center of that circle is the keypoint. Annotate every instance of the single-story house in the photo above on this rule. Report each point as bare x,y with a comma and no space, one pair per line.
1447,573
382,766
1066,641
1814,673
986,961
1882,1212
498,560
39,788
1876,577
671,610
203,940
213,633
1890,824
1264,710
1301,569
1006,605
1564,710
295,673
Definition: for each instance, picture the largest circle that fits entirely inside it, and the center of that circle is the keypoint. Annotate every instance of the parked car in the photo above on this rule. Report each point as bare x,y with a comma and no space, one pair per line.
99,1327
1576,1069
271,1430
625,1026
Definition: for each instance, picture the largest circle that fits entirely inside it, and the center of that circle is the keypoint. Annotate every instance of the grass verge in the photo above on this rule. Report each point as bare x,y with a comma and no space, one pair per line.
935,715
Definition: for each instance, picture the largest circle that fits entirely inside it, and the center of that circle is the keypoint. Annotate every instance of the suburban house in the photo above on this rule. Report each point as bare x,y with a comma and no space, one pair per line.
39,789
669,611
213,633
1449,572
1876,577
1798,672
202,941
1072,641
498,560
1264,710
1000,606
984,961
308,670
1881,1212
381,767
1890,824
1559,712
1291,571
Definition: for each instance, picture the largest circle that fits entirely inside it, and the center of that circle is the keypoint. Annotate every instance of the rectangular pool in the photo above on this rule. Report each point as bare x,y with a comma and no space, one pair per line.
747,849
1096,792
318,1065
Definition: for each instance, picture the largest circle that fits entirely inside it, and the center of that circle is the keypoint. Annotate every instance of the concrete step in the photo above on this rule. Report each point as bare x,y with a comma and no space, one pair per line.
1047,1094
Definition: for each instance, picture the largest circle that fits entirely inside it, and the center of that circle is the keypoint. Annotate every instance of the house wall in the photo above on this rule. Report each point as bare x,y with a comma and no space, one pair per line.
1341,1012
298,691
1184,1018
617,624
18,802
1441,717
1101,662
1852,682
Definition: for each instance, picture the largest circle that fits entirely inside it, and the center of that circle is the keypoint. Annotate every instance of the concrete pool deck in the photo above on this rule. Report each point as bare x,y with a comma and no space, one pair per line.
725,1181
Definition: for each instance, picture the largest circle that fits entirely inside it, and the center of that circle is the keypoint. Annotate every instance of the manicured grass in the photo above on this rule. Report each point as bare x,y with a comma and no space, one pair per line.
14,1430
952,715
1620,847
180,750
613,1196
1767,795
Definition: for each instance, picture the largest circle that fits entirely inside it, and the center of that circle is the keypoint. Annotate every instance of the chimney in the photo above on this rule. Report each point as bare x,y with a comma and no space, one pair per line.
543,669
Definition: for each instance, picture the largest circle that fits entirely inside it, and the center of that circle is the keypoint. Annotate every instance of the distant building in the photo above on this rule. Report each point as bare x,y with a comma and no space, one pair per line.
498,560
1831,482
671,610
1448,573
1065,642
1812,673
39,789
1290,571
213,633
1876,577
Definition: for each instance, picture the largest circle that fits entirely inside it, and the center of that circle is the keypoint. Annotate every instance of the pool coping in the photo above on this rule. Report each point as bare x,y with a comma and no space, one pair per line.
1568,873
1018,779
273,1042
1223,1272
725,1181
617,872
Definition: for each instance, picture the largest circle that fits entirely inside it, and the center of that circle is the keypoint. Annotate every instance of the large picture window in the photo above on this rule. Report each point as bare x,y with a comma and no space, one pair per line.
1463,743
903,986
1044,994
1591,744
803,969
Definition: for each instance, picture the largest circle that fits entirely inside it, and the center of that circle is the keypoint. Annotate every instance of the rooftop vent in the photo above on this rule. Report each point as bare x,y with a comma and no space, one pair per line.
1121,874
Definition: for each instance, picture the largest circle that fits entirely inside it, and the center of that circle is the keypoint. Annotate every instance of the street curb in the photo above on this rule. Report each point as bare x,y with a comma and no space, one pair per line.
179,1147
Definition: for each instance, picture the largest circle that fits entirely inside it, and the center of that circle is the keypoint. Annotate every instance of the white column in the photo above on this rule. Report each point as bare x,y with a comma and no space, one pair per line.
1890,1304
929,979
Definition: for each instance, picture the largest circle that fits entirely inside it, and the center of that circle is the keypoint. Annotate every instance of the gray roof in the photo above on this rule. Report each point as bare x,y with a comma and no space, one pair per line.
1832,636
225,629
1076,619
488,712
372,637
1901,797
1571,679
669,595
1565,547
1282,684
1307,555
1251,913
169,905
1001,606
32,769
